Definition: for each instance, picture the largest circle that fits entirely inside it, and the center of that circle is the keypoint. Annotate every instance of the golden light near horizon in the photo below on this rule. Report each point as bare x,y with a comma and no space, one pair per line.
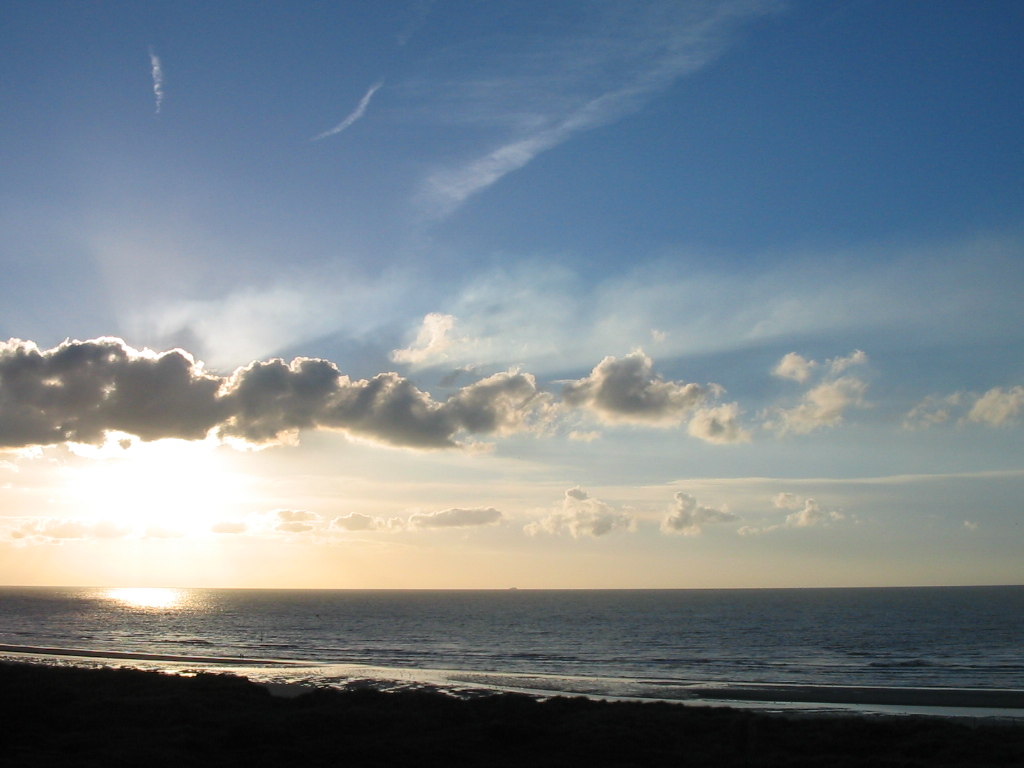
147,597
168,486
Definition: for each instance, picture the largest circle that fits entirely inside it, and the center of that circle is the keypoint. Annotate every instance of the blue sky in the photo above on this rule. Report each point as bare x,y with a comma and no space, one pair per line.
657,294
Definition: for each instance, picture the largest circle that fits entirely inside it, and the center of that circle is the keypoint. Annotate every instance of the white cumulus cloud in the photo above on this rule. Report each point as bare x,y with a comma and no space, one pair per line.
687,517
823,405
432,341
998,407
581,515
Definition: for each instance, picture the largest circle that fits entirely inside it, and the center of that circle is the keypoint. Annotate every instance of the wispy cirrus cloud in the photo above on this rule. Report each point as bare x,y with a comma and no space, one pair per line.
607,65
158,78
356,113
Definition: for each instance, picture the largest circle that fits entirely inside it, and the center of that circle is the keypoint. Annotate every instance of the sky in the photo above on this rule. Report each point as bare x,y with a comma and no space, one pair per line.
450,294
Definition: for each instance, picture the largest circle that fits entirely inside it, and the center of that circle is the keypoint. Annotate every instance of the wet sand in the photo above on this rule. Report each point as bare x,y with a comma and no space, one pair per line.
963,698
73,716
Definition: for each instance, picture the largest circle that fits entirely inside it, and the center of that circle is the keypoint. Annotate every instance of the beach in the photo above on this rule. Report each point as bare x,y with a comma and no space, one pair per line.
69,715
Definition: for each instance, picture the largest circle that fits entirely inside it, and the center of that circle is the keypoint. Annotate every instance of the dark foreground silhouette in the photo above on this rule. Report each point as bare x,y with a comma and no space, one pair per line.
65,716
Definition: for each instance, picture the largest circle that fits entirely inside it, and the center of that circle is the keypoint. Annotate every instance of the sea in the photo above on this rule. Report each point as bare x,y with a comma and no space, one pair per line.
683,645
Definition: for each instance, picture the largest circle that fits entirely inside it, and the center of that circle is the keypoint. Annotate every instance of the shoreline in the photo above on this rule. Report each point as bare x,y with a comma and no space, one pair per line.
946,702
33,650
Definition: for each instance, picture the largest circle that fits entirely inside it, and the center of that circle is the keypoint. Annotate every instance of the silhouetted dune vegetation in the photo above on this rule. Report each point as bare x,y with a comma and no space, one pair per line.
66,716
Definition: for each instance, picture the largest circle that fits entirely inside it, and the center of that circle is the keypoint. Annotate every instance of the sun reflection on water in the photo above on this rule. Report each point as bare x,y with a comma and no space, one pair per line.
147,597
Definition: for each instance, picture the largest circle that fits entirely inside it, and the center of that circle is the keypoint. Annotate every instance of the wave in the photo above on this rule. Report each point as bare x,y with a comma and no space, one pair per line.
138,656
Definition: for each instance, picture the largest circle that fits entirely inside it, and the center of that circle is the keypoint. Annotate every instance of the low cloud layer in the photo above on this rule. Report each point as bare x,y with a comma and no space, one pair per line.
581,515
55,530
79,391
229,526
455,517
688,518
295,520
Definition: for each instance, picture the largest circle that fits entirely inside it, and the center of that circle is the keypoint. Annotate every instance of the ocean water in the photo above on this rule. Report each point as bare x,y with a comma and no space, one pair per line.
646,642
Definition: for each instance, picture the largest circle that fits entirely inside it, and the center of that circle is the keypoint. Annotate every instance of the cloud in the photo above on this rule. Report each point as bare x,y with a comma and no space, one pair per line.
808,514
581,515
554,87
932,410
358,522
720,425
295,520
825,404
433,339
998,407
273,398
56,529
795,366
85,391
294,515
79,391
787,501
687,517
456,518
229,526
550,319
627,390
839,364
357,113
158,79
811,514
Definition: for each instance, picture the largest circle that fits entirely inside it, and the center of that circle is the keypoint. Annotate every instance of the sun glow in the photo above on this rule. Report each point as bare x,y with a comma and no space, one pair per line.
147,597
165,488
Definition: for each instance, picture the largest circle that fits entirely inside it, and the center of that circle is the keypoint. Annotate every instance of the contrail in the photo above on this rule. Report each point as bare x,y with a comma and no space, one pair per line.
158,79
357,113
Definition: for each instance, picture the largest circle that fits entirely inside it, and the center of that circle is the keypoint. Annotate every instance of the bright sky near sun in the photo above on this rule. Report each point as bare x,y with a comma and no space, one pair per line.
718,293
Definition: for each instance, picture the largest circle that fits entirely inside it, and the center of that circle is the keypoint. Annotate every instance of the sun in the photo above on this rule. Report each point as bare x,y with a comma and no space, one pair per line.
161,488
152,598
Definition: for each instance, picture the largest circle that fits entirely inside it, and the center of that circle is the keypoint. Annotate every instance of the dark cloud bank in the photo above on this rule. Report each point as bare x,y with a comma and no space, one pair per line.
81,390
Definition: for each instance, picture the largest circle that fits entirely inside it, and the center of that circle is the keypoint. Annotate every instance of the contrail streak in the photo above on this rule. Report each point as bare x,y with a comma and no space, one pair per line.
158,79
357,113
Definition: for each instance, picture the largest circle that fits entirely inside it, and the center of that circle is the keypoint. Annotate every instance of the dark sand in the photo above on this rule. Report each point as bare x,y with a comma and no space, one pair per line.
69,716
